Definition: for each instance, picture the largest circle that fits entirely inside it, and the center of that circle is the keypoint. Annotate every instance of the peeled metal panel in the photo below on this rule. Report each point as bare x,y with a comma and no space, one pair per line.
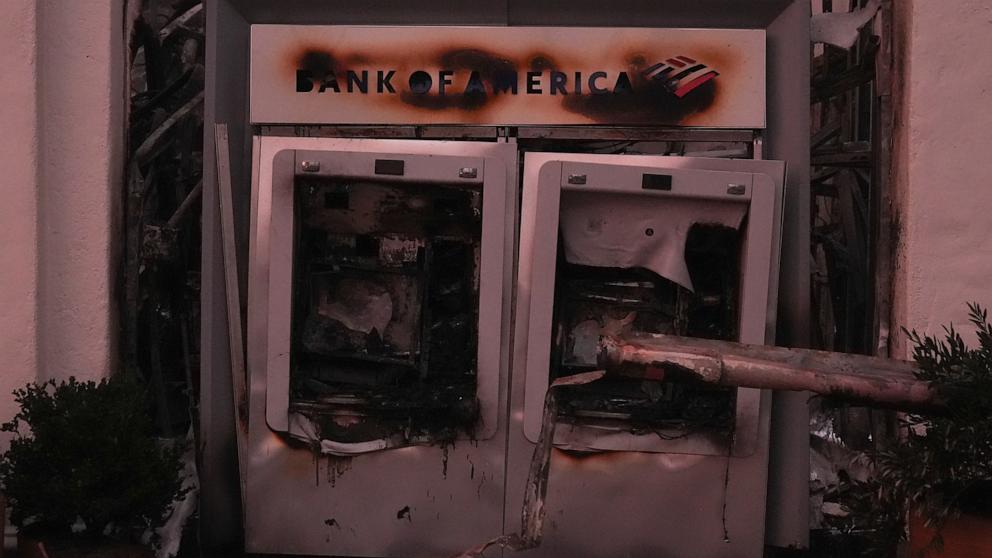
507,76
610,233
613,232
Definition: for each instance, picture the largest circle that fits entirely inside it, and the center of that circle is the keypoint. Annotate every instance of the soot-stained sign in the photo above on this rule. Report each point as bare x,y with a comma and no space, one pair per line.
507,76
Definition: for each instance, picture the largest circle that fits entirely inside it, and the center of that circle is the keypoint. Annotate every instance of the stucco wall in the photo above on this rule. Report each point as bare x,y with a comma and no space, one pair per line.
18,192
61,112
80,102
944,156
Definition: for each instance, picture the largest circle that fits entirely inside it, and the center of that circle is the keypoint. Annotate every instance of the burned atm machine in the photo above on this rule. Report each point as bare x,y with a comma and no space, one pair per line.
443,222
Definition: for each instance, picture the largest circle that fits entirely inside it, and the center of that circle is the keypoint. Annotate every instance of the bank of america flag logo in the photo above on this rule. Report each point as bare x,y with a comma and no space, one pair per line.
680,75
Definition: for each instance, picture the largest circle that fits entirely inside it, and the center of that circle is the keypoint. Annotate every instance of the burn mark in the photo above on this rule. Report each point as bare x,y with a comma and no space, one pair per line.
357,59
331,522
317,62
486,62
628,97
444,461
637,60
405,513
243,412
472,79
642,100
487,73
540,62
582,455
316,69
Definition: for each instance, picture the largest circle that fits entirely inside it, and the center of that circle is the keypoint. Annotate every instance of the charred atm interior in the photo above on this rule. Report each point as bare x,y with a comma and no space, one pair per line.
385,309
593,301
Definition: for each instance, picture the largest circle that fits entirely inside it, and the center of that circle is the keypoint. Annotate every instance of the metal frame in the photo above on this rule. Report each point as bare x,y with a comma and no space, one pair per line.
678,498
292,492
491,180
609,176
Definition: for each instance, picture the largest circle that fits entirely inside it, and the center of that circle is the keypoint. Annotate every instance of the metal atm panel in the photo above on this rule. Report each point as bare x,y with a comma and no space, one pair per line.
359,445
630,475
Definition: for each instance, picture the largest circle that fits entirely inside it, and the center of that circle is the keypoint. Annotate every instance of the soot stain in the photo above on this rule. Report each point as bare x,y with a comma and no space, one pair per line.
540,62
488,64
647,101
318,62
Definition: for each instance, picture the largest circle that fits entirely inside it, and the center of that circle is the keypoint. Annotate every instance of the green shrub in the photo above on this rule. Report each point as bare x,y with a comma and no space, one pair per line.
944,464
84,462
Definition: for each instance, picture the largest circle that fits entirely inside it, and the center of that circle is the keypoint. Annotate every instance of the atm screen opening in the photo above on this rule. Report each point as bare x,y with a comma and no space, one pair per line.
593,300
385,309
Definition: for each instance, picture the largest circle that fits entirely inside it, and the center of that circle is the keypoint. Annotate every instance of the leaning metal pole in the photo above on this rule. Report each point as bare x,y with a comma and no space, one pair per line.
873,380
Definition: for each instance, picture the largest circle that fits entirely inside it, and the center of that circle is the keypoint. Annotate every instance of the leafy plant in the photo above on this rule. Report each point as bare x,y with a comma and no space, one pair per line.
875,524
944,463
83,462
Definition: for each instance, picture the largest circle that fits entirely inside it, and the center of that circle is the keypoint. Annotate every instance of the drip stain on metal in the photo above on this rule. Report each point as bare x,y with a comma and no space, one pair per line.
444,460
336,467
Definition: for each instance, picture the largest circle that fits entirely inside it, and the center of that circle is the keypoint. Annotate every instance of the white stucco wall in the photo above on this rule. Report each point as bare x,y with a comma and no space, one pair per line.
944,151
80,102
61,147
19,207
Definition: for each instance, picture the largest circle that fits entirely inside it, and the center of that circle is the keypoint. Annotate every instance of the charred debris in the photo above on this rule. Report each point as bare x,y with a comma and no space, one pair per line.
592,302
385,298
